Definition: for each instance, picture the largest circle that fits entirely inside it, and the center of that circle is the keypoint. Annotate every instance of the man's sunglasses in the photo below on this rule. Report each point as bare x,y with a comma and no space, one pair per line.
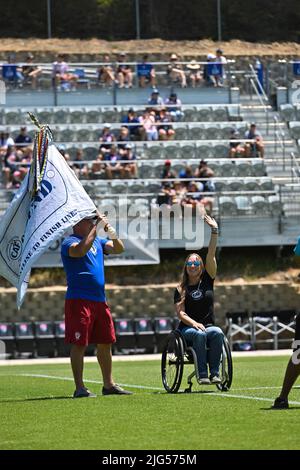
191,263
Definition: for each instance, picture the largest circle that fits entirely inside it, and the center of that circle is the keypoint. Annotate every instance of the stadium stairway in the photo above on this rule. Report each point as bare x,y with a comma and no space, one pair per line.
252,111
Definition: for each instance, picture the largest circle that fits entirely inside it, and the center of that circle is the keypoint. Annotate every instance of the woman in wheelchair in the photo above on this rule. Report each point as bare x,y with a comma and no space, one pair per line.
194,301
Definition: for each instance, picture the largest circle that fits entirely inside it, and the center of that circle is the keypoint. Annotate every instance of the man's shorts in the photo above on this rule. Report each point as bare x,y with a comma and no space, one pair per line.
88,322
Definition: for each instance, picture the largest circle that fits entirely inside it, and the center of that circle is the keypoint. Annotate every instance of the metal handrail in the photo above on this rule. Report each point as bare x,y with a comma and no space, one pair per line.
258,83
295,169
266,107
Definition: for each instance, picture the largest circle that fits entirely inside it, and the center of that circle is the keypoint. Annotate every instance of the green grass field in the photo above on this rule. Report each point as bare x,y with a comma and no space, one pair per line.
38,412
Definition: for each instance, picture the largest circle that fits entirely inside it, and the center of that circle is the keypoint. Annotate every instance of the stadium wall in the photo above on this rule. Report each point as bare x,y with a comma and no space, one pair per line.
153,300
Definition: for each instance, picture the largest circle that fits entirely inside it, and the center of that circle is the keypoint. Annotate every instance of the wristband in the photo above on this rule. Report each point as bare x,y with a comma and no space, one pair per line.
111,231
215,230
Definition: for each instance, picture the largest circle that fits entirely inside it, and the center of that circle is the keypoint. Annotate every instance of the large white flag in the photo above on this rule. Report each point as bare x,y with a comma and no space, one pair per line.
35,219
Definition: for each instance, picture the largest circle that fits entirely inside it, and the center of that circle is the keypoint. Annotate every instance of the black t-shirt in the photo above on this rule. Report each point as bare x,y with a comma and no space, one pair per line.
199,303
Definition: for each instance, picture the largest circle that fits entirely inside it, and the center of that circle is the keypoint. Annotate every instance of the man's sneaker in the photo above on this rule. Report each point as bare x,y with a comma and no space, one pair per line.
280,404
204,381
215,380
83,393
115,390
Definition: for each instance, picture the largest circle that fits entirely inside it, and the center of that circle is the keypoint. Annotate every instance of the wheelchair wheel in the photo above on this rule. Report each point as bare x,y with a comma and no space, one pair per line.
172,363
226,367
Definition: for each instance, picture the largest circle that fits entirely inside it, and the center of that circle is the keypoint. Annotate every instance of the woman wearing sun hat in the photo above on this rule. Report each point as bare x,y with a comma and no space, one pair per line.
194,303
175,71
194,73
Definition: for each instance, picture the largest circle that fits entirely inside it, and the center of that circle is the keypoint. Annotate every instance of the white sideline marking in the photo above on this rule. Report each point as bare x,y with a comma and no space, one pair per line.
246,397
215,394
42,376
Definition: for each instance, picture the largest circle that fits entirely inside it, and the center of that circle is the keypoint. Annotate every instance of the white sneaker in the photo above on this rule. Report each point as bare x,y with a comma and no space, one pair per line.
204,381
215,379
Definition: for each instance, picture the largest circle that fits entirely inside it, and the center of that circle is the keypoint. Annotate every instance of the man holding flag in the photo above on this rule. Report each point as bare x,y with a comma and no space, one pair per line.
50,201
87,315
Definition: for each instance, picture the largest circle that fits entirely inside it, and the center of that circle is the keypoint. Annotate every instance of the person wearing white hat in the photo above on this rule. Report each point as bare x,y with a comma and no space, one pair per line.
175,71
194,73
106,138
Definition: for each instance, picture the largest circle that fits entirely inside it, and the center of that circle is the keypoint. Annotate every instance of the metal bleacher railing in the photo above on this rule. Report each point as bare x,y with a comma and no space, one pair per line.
88,77
262,329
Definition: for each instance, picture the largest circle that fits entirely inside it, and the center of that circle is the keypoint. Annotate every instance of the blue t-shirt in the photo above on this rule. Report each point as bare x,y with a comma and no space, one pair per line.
85,275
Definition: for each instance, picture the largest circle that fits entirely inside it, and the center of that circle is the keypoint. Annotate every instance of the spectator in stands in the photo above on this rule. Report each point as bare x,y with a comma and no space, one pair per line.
13,172
220,57
155,98
62,76
66,155
136,132
292,371
105,72
194,197
167,172
123,137
11,72
145,73
252,149
31,72
23,139
112,164
174,107
165,129
186,173
26,157
5,139
210,71
79,166
194,300
128,168
176,72
194,74
9,164
236,148
149,124
97,166
106,138
178,192
221,61
203,171
124,72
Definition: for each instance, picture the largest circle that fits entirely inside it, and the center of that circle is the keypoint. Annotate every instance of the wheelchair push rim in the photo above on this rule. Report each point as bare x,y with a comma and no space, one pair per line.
172,363
226,367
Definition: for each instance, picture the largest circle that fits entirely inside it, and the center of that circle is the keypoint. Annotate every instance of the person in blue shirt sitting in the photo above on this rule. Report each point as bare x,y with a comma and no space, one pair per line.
145,73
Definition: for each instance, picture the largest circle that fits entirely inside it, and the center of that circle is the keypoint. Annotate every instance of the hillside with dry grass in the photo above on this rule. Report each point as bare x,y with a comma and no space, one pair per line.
152,46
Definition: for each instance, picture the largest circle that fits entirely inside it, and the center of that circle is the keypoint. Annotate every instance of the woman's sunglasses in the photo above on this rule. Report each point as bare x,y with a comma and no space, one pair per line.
191,263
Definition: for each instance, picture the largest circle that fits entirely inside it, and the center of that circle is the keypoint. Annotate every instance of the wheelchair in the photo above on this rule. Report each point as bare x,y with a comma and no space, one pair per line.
176,354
